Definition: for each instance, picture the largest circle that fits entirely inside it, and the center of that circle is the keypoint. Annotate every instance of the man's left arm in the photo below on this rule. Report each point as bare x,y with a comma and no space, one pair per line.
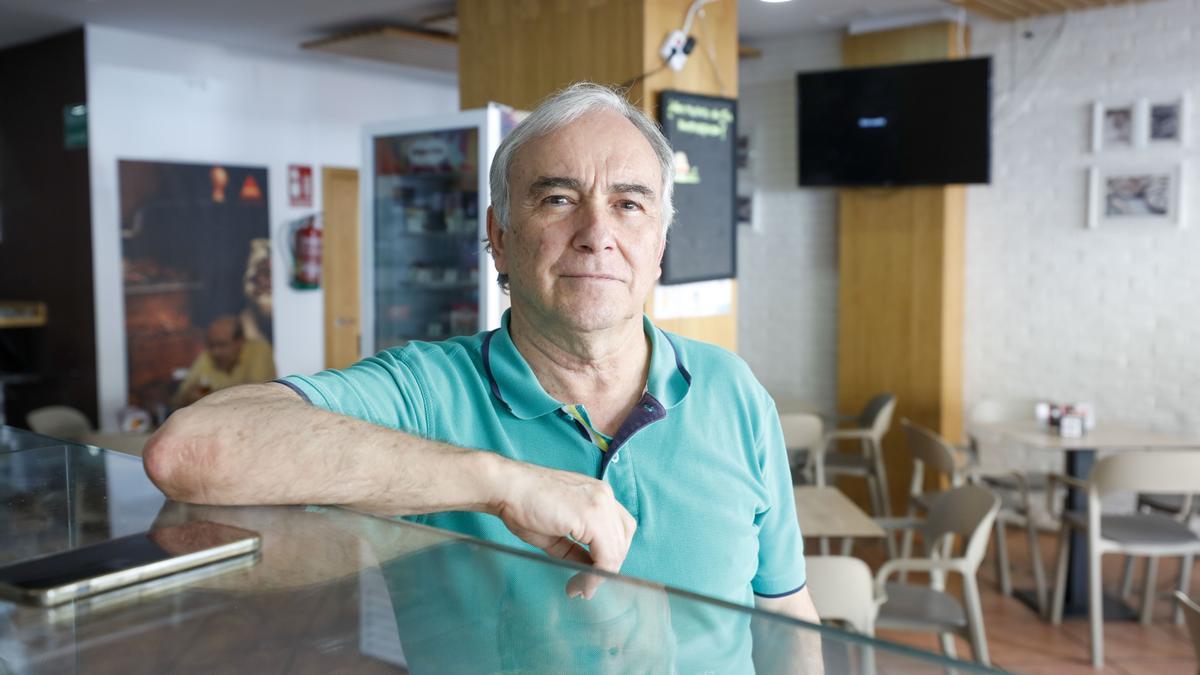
798,605
780,585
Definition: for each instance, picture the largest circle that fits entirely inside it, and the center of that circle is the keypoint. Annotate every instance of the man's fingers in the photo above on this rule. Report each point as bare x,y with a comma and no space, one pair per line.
609,550
565,549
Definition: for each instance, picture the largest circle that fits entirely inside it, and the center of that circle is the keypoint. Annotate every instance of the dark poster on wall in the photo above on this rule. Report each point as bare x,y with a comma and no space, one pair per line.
703,241
195,251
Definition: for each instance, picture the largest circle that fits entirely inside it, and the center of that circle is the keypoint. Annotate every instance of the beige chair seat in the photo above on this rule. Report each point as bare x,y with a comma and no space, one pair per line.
920,608
1142,533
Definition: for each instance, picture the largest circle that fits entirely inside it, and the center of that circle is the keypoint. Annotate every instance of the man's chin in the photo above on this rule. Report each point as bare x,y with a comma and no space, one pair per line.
590,318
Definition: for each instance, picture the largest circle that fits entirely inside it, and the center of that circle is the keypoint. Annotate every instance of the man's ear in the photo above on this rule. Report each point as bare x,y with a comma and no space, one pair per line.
662,249
495,235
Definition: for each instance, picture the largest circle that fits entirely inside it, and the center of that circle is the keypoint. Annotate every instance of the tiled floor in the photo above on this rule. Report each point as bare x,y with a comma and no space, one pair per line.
1020,641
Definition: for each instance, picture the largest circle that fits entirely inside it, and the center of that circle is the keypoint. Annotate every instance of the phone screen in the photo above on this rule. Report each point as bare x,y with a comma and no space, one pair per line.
188,545
84,563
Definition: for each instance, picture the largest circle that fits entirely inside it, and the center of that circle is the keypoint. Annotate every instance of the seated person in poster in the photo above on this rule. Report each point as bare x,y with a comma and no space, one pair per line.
229,359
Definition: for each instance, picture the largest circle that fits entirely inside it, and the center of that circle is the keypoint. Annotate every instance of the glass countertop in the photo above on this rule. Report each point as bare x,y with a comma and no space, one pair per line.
335,590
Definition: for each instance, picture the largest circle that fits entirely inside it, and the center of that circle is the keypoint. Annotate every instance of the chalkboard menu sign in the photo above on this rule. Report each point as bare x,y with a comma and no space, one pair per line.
702,244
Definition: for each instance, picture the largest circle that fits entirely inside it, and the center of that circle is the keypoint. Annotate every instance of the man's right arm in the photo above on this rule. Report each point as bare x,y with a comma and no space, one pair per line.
262,444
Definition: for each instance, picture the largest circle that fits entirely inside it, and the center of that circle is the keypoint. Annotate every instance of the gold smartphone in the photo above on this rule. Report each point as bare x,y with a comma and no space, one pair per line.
61,577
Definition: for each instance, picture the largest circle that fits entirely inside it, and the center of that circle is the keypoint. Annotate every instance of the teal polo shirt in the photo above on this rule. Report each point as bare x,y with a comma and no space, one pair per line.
700,462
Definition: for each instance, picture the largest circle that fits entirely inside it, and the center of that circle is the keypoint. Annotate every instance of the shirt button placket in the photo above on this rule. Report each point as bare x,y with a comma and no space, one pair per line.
620,477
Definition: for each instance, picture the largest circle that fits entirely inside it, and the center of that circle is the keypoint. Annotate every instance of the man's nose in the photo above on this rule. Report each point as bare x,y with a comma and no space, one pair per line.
594,231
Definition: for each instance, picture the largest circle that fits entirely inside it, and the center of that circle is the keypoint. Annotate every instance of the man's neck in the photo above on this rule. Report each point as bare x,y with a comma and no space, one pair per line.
605,370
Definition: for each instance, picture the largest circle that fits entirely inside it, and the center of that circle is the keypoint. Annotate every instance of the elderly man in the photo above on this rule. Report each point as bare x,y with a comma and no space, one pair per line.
229,359
577,427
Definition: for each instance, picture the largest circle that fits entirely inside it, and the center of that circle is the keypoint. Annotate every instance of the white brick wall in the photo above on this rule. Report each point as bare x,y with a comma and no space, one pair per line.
1110,316
787,271
1052,310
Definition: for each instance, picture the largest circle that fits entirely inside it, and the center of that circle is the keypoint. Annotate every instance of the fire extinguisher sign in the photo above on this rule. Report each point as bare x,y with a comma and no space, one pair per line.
300,185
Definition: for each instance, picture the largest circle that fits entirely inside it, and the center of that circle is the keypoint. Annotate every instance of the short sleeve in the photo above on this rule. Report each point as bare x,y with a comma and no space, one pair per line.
781,568
382,389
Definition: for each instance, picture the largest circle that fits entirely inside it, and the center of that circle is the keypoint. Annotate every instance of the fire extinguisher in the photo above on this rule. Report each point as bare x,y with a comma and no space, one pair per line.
304,241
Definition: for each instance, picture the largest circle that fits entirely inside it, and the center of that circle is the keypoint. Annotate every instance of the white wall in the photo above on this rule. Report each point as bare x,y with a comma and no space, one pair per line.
1052,310
787,265
1055,310
154,98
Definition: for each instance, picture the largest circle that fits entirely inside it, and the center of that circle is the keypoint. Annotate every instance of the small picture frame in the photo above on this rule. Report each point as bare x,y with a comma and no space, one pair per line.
1136,196
1117,125
1166,121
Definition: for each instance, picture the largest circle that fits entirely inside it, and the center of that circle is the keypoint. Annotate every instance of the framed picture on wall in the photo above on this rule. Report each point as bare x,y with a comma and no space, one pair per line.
1166,121
1142,195
1117,125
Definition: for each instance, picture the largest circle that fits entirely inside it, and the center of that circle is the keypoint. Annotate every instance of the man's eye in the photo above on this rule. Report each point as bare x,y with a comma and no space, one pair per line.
556,200
626,205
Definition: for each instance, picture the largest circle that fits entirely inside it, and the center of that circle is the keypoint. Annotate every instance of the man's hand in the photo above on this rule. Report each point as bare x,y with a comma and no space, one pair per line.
562,512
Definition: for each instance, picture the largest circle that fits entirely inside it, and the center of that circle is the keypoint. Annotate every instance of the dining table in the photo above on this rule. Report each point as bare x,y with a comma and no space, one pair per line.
1080,455
825,513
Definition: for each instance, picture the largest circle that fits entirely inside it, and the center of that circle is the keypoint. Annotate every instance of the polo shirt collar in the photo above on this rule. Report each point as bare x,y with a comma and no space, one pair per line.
513,382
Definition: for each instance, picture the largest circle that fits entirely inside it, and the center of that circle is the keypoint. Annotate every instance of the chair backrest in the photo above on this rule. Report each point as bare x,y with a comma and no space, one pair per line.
843,589
932,450
59,421
968,512
877,414
801,430
1151,472
1192,611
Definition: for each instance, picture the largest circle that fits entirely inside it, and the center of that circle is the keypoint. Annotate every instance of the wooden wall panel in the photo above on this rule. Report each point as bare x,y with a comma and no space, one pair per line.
518,51
700,76
900,282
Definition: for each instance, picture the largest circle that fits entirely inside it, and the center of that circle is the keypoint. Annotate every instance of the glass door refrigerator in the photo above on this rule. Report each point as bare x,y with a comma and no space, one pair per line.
425,273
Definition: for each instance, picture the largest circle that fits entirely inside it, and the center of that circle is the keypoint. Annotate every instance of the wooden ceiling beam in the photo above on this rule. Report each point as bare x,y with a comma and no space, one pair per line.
1009,10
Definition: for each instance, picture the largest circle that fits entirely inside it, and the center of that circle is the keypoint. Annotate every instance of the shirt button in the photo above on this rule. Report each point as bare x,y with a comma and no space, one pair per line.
647,407
616,458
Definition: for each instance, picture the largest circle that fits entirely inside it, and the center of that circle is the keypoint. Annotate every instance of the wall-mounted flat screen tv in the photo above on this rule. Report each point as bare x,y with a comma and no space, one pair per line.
912,124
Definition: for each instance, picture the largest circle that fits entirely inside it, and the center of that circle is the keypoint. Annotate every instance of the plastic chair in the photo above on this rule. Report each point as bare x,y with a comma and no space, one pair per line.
1179,507
966,513
59,421
928,449
1139,534
1192,611
1016,489
843,590
872,423
802,432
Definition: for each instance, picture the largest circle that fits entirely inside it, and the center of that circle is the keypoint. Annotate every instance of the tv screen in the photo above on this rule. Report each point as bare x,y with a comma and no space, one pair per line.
912,124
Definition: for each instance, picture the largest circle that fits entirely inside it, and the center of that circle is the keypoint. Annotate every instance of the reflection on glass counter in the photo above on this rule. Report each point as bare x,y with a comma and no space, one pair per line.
335,590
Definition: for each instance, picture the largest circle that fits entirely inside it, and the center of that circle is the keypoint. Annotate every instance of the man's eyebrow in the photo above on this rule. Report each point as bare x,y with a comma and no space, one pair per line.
631,188
551,182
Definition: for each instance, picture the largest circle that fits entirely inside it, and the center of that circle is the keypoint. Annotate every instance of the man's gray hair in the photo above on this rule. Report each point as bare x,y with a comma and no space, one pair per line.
562,108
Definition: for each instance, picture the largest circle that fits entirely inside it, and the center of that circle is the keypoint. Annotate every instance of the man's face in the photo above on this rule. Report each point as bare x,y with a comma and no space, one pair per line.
223,347
585,237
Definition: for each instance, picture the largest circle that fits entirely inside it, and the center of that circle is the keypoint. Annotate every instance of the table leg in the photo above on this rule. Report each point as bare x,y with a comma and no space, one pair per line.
1079,465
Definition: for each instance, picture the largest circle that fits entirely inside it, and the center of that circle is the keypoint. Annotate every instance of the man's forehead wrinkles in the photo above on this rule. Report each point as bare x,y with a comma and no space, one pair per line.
550,182
544,182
